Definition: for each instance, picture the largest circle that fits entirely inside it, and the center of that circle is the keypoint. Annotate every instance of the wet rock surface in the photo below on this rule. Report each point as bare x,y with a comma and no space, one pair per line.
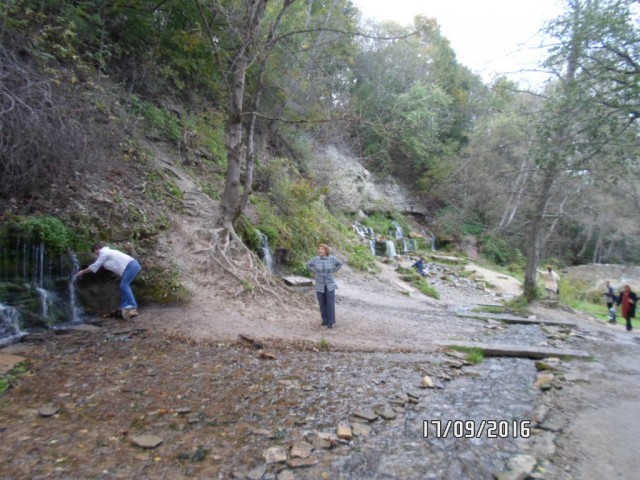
135,400
137,404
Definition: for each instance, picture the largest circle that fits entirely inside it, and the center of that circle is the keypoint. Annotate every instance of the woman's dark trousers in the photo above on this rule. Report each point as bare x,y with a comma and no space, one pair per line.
327,301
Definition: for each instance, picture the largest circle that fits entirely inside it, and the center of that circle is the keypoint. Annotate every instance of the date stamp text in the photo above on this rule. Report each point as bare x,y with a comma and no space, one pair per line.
473,429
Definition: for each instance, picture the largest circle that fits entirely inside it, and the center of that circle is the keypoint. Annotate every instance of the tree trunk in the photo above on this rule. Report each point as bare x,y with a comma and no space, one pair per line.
536,233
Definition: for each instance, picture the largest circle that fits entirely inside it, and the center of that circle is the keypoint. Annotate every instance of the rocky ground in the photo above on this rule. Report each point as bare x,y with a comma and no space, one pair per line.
178,393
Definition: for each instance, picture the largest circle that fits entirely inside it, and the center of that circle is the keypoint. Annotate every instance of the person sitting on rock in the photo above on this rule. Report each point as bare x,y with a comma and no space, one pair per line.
420,266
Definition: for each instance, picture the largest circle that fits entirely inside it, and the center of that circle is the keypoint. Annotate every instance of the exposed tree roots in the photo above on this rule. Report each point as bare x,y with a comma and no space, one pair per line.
238,271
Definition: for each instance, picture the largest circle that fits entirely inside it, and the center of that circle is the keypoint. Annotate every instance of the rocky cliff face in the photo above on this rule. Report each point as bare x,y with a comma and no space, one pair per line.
353,188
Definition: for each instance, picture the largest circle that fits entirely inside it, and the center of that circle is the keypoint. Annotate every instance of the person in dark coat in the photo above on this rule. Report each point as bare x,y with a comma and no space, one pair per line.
627,300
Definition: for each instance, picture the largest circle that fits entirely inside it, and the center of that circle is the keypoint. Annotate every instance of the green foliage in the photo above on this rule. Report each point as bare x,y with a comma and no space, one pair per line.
499,251
12,376
46,229
490,309
412,277
381,224
162,286
475,355
361,258
323,345
293,214
157,119
250,236
519,306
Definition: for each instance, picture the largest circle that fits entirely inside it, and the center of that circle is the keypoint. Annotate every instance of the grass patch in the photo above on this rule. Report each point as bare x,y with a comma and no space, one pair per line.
490,309
412,277
518,306
475,355
323,345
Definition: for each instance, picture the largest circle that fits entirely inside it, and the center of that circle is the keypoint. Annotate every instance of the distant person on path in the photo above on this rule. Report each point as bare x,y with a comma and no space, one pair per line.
126,267
324,266
610,296
551,283
420,266
627,299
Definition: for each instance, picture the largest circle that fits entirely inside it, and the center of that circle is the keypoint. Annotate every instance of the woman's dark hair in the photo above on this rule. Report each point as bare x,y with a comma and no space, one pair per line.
97,246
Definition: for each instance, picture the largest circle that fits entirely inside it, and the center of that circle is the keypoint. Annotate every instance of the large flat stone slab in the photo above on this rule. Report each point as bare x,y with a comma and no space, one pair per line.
520,320
500,350
297,281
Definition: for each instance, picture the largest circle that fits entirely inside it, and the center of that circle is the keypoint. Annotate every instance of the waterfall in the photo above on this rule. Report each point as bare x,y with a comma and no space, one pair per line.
399,233
391,249
434,243
45,301
409,245
10,325
39,294
360,230
267,256
366,233
76,310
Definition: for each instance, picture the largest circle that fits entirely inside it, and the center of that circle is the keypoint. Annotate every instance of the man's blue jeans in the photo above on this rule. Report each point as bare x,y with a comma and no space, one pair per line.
128,300
327,301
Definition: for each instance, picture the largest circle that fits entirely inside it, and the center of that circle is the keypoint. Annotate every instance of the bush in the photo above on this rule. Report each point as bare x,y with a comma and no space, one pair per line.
41,141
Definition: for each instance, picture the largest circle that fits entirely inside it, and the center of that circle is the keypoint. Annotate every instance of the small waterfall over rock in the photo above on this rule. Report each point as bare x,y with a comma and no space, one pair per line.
76,310
366,234
390,250
37,290
399,233
381,247
10,325
266,254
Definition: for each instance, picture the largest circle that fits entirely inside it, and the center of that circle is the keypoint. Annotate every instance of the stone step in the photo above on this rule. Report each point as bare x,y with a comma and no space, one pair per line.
520,351
520,320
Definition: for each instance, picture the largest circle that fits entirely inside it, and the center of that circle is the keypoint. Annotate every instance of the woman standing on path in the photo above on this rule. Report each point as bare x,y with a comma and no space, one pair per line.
628,301
324,266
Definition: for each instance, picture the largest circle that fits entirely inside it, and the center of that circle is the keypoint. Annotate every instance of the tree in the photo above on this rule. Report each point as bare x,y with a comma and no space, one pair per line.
245,37
590,107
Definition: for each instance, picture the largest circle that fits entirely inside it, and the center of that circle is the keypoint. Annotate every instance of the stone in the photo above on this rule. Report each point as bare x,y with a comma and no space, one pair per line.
285,475
256,473
275,455
302,462
427,382
540,414
387,413
544,380
344,431
48,410
146,441
361,430
367,415
297,281
301,450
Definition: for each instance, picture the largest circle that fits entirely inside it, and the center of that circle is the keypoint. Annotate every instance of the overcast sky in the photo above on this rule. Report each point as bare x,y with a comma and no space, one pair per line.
489,36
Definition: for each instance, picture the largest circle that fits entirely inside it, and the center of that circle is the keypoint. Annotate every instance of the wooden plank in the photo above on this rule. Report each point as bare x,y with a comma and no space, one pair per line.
518,320
520,351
